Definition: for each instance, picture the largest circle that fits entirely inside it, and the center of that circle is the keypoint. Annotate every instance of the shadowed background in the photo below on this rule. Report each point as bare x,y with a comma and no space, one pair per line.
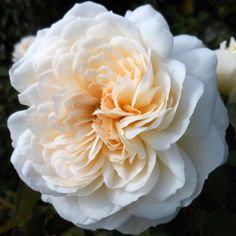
213,213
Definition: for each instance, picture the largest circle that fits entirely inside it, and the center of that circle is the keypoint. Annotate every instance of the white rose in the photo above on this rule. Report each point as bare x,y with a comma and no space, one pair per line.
226,68
124,122
21,47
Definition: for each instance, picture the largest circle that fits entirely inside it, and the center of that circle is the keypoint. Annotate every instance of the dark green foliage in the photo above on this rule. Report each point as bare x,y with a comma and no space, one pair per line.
213,213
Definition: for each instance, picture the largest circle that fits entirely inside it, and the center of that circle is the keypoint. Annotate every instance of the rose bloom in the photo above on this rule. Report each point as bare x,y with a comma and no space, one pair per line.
124,122
21,47
226,68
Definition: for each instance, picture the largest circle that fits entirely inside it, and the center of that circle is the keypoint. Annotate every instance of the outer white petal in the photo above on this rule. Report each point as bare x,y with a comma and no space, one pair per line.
83,211
143,13
56,28
22,74
155,37
28,163
123,26
86,10
207,153
68,208
17,124
23,166
35,45
97,205
111,222
200,63
220,118
185,43
154,29
136,225
31,96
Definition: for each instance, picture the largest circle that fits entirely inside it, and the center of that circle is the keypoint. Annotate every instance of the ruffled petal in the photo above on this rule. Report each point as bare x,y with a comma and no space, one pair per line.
207,153
154,30
220,118
172,168
17,124
85,10
200,63
68,207
151,208
110,223
192,90
22,74
97,205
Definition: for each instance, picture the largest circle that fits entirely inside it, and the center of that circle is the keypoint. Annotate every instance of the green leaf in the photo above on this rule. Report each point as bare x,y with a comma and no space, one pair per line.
3,71
73,232
5,203
158,231
8,225
56,225
103,233
26,200
145,233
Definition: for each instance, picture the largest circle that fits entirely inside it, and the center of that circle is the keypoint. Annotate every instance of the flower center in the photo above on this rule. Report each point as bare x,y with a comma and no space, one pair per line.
110,73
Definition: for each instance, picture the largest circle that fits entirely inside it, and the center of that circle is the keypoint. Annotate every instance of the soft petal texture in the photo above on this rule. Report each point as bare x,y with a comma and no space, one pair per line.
193,53
123,121
220,119
17,124
22,75
210,148
151,23
22,47
226,67
86,10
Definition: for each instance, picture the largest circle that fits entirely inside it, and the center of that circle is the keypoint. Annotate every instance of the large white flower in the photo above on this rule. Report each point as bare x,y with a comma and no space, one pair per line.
124,122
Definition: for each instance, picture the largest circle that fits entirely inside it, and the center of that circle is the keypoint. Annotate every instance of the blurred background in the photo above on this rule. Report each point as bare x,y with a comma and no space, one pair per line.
22,212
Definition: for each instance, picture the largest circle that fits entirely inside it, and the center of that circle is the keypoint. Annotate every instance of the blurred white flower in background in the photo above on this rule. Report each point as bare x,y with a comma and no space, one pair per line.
226,69
21,47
